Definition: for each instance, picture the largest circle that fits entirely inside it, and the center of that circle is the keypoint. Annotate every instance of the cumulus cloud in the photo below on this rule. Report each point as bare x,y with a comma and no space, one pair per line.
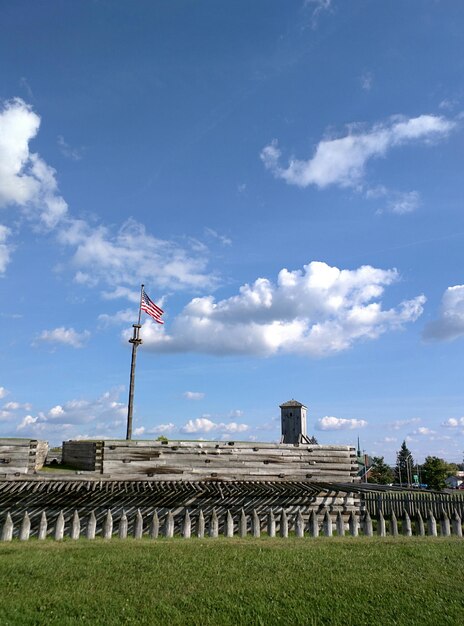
317,311
366,81
26,422
15,406
398,424
63,336
406,202
342,160
3,392
25,179
339,423
5,248
203,425
130,255
194,395
450,323
454,422
102,417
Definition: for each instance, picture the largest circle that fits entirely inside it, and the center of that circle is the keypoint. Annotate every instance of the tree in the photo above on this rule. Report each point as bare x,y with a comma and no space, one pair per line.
380,473
404,465
435,471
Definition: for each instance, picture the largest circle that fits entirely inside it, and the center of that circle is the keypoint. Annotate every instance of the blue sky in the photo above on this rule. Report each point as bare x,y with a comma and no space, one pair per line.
284,177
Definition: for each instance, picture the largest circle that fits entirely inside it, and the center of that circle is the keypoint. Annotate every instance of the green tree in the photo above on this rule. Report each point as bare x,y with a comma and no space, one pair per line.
435,471
380,473
404,465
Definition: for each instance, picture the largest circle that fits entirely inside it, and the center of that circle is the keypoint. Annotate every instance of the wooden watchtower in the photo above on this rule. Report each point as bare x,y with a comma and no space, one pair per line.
293,419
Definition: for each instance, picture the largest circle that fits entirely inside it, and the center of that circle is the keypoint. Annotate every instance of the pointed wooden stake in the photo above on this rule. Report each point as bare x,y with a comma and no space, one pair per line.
108,526
154,526
299,525
381,526
138,525
229,525
91,526
431,525
169,525
255,524
353,525
42,533
59,527
340,526
456,524
25,529
187,526
7,531
242,526
313,524
75,526
407,528
327,524
200,530
123,526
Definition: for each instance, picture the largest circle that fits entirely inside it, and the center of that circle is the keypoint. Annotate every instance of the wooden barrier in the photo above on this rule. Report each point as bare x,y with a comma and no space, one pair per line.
192,460
55,495
22,456
77,526
388,502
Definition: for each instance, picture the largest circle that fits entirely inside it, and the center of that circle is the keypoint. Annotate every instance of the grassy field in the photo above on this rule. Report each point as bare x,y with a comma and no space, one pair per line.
267,581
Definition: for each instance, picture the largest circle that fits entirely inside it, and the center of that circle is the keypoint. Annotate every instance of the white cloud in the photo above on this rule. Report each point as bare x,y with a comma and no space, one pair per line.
56,411
404,202
15,406
64,336
317,311
342,161
339,423
205,425
103,417
120,317
130,255
225,241
5,248
194,395
366,81
199,425
25,179
422,431
3,392
317,7
398,424
450,323
26,422
75,154
162,429
454,422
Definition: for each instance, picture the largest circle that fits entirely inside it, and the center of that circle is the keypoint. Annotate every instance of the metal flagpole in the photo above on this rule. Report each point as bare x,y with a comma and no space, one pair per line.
135,341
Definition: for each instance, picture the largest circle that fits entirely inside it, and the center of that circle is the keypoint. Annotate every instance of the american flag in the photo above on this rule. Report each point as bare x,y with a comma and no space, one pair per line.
151,308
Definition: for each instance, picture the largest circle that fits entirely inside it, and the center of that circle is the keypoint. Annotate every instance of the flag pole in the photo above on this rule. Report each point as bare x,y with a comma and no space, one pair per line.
135,341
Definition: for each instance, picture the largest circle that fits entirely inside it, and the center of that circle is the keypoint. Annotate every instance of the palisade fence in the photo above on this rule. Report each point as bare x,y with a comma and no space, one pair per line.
388,502
194,524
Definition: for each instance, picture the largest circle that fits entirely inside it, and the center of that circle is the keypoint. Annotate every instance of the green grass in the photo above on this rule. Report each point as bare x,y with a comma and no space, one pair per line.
346,581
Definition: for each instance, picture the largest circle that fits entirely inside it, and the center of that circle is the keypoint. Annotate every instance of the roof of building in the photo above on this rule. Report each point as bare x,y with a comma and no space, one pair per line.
292,403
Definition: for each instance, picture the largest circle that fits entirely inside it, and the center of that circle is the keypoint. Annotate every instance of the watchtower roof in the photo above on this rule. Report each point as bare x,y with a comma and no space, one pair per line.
292,403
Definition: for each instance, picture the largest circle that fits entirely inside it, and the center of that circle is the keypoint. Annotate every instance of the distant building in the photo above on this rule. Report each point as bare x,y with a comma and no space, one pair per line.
293,421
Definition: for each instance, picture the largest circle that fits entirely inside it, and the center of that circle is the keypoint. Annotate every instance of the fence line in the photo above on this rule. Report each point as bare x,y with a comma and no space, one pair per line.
389,502
195,524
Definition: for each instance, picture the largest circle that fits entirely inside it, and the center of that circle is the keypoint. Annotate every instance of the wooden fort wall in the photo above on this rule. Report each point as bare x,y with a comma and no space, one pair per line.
65,495
22,456
190,460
